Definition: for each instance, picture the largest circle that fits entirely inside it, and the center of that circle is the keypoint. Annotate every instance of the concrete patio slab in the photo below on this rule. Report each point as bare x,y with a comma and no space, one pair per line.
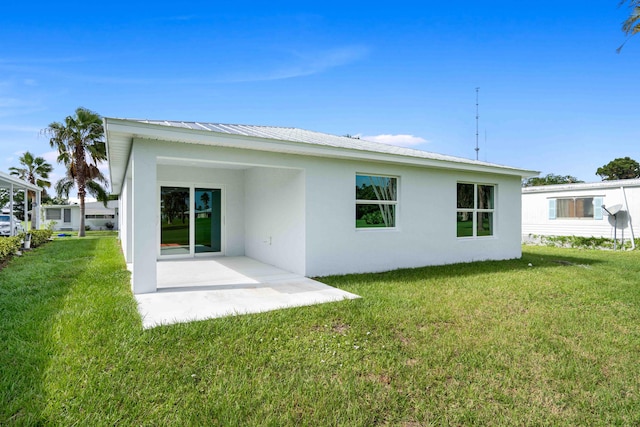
207,288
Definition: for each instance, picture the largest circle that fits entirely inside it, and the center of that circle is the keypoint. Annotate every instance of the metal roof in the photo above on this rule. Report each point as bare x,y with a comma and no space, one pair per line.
310,137
582,186
121,132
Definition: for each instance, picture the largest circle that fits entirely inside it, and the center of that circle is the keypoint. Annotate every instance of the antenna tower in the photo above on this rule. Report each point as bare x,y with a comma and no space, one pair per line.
477,119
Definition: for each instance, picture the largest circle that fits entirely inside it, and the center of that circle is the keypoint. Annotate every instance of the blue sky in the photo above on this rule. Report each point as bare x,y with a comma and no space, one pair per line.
554,95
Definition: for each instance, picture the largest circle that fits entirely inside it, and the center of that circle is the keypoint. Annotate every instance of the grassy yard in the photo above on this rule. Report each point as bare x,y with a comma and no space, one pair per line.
492,343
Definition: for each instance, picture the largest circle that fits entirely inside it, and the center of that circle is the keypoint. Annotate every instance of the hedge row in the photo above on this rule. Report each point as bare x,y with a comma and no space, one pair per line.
10,245
38,237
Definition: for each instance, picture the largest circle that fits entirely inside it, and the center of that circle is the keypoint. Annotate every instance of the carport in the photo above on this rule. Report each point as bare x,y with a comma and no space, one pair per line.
13,184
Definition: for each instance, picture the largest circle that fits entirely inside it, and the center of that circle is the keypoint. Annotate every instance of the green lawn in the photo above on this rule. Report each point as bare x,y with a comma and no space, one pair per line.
492,343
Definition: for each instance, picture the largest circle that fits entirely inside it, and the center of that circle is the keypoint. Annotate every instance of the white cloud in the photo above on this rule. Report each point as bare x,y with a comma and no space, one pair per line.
50,156
307,63
399,140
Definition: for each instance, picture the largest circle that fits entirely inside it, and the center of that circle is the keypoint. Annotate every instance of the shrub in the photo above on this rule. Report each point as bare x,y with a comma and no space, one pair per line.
109,225
373,218
9,246
38,237
87,228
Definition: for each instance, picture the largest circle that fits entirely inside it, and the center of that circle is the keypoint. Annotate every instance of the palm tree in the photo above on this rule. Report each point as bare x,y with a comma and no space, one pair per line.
81,147
631,25
36,171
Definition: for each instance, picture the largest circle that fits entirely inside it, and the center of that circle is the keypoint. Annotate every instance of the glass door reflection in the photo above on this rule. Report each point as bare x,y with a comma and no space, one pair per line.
207,205
174,221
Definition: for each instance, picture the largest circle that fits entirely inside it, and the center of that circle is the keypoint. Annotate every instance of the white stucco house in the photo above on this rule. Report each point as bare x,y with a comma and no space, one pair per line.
67,217
306,202
576,209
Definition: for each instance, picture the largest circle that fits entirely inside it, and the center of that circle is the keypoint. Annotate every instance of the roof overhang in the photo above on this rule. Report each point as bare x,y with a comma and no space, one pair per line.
120,134
6,181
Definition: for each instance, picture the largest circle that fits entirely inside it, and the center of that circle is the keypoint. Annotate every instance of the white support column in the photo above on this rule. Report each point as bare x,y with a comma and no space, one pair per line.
27,226
144,212
37,210
11,222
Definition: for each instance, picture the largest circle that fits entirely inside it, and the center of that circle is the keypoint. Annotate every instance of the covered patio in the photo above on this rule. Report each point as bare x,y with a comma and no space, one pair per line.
206,288
12,184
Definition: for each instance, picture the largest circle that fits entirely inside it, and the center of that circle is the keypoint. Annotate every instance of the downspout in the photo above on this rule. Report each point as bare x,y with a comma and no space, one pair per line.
626,207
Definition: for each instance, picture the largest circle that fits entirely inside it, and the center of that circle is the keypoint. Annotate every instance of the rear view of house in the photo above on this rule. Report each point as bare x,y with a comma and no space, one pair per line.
306,202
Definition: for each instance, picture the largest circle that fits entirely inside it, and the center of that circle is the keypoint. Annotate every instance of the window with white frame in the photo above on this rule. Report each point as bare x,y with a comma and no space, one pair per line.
475,209
53,214
376,201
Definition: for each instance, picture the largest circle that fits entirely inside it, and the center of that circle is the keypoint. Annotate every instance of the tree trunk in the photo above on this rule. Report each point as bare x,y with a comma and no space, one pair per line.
81,181
81,232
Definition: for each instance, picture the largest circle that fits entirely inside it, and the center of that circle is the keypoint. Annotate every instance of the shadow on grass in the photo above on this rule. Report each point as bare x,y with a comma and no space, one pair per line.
470,269
32,292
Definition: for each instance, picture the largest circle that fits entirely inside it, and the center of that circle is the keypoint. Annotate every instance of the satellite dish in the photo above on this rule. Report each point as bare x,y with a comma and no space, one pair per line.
613,210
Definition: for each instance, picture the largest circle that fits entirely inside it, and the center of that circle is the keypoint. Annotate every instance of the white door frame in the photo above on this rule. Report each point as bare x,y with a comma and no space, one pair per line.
192,223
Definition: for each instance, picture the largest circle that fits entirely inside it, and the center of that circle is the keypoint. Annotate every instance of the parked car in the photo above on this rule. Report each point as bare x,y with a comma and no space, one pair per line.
5,225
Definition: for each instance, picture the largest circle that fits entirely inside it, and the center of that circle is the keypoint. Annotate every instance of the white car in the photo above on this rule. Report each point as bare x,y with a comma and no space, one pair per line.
5,225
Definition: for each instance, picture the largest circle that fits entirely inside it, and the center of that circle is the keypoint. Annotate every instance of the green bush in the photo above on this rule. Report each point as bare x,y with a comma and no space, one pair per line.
38,237
9,246
579,242
373,218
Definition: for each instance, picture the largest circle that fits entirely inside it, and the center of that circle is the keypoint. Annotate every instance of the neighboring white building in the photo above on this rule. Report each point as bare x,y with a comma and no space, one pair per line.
307,202
67,217
576,209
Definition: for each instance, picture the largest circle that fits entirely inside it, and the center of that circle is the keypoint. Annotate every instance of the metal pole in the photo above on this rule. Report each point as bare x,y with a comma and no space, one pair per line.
626,207
615,232
477,118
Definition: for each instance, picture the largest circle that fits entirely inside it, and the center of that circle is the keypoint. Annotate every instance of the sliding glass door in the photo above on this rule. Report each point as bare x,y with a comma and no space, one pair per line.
208,221
189,228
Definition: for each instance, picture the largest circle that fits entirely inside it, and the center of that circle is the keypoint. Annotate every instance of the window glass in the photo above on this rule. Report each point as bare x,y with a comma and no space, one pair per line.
465,224
475,210
579,207
53,214
465,196
485,224
376,200
485,196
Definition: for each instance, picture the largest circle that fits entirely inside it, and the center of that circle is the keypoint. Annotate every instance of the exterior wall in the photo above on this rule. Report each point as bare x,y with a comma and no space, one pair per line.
74,225
60,225
298,212
426,220
125,220
535,212
275,217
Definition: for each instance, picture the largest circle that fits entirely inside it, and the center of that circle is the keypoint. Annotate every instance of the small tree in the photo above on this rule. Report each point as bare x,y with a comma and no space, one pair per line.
620,168
81,148
36,171
550,179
